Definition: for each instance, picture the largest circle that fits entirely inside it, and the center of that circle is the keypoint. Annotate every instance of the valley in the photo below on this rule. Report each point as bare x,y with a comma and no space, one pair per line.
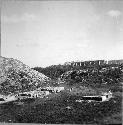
78,95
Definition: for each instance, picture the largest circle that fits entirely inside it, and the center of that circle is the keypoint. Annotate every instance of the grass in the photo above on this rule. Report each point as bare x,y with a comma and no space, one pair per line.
53,110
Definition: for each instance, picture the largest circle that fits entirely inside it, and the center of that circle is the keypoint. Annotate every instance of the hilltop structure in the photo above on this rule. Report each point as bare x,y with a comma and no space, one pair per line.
94,62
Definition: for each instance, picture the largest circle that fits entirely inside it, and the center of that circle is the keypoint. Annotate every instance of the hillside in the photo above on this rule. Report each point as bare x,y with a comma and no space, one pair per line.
55,71
16,76
108,75
67,106
96,75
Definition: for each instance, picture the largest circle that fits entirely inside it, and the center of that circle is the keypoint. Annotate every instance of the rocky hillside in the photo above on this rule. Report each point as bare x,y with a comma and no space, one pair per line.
107,75
16,76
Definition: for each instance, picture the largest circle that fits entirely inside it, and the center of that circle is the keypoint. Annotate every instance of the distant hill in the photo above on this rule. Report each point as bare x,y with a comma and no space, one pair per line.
109,75
16,76
55,71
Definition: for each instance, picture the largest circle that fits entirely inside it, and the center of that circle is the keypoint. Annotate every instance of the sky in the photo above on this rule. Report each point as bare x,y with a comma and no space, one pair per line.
44,33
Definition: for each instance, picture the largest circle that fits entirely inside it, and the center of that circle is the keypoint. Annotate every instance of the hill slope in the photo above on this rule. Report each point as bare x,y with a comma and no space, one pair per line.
16,76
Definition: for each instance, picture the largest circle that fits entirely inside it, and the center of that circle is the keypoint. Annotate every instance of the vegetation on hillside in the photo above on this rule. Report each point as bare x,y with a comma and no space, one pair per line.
97,74
62,107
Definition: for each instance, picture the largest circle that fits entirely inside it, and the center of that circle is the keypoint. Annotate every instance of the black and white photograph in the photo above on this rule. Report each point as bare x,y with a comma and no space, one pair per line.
61,62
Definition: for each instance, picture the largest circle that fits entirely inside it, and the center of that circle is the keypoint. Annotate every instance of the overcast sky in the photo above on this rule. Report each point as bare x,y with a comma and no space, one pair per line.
43,33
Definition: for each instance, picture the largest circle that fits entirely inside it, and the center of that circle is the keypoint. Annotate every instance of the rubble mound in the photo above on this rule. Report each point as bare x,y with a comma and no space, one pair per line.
16,76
